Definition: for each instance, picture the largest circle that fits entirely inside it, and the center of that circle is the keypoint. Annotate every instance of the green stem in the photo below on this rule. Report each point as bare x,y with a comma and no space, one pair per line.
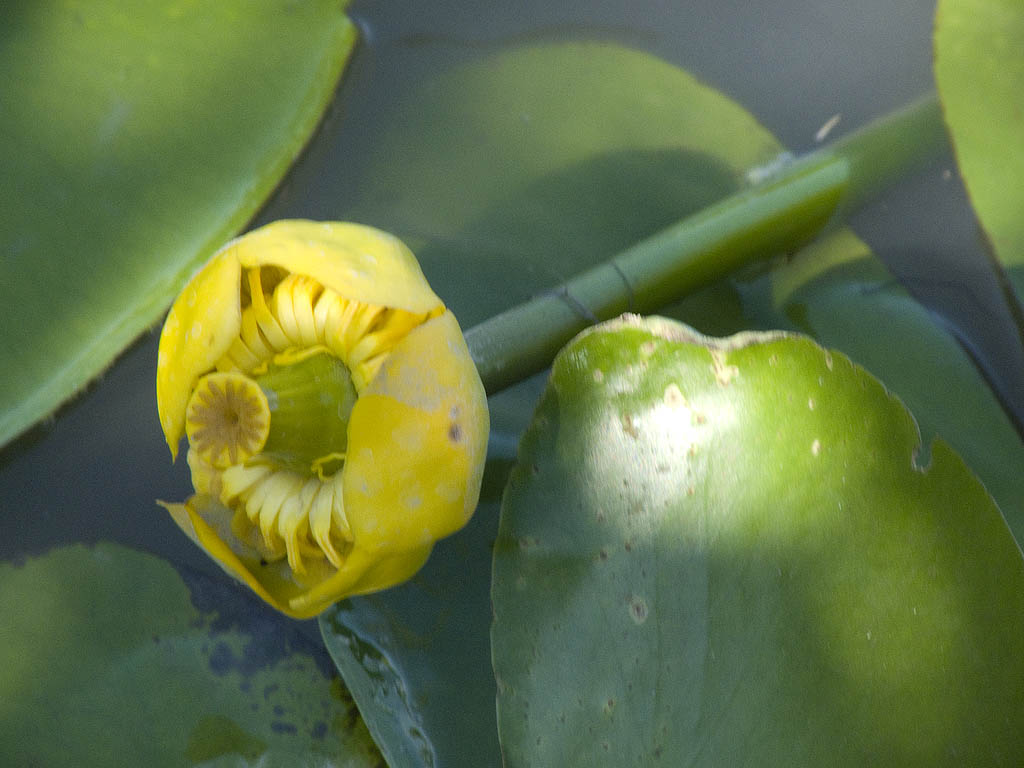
778,215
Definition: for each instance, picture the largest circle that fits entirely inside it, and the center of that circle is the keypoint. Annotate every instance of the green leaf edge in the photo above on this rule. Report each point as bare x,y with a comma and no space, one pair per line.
107,344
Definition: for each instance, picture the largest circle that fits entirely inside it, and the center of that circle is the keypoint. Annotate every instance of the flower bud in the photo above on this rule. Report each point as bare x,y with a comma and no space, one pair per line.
337,426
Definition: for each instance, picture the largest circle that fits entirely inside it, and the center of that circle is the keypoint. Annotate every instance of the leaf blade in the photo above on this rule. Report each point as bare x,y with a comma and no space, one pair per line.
139,139
979,71
658,526
111,671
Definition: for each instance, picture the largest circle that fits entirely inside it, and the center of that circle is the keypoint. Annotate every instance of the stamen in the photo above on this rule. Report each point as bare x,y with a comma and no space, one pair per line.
265,319
238,481
320,522
304,296
393,326
252,338
360,323
283,308
227,420
280,487
291,525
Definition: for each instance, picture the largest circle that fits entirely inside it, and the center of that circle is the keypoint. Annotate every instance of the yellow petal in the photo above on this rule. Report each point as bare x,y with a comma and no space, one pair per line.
202,323
208,524
356,261
362,573
417,443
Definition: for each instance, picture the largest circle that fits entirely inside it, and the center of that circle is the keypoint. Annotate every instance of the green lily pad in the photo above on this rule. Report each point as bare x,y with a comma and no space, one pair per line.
137,137
106,658
722,552
979,71
836,291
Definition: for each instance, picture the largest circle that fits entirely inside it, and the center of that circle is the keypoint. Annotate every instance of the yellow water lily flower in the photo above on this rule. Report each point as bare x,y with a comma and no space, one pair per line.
337,426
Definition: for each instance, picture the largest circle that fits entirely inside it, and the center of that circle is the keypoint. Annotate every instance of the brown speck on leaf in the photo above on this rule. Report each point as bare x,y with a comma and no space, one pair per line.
455,433
638,609
723,372
674,397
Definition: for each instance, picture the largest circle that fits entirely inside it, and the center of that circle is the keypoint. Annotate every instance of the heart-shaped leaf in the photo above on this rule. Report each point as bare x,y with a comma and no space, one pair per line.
107,662
979,70
137,137
722,552
836,291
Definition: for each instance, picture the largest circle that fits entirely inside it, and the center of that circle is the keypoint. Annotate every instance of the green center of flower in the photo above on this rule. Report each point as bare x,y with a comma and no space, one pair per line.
293,415
310,399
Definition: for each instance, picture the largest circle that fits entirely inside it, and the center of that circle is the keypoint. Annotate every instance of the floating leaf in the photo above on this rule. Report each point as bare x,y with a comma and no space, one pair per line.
979,70
836,291
106,658
717,552
138,137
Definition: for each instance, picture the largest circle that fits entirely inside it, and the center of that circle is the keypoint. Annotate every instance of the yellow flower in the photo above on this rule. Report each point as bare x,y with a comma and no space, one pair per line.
337,426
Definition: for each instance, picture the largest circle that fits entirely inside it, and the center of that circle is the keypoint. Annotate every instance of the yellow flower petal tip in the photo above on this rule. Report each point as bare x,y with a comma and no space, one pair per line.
336,424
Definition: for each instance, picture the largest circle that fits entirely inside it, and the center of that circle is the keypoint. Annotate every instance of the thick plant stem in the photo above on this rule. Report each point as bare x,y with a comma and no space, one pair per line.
778,215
